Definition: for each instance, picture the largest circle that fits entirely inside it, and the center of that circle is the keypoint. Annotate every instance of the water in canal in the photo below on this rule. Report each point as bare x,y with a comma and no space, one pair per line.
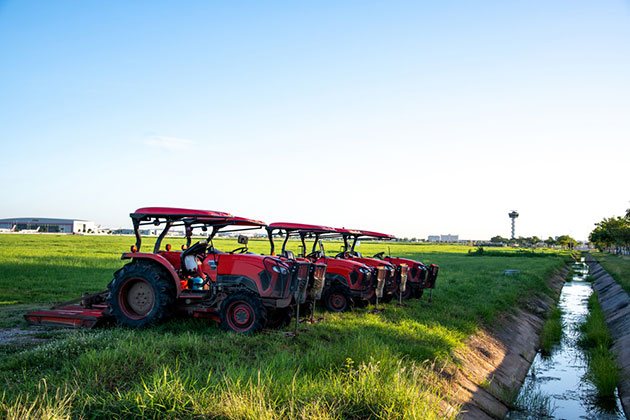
557,381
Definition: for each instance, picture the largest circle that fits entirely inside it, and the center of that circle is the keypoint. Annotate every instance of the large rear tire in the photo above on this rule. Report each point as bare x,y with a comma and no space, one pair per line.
141,295
242,312
337,299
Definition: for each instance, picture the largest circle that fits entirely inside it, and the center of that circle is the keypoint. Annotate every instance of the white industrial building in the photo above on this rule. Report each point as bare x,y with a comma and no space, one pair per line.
48,225
443,238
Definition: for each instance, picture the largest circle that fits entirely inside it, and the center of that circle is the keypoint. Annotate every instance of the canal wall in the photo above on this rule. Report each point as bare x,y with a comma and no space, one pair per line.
495,361
615,304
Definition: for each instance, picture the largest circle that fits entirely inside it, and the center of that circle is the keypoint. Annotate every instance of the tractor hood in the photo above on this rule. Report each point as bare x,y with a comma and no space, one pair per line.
398,261
372,262
336,262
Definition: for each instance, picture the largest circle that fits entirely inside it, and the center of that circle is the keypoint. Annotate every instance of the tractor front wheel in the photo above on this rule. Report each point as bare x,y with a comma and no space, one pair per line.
140,295
279,318
242,312
387,297
337,299
408,292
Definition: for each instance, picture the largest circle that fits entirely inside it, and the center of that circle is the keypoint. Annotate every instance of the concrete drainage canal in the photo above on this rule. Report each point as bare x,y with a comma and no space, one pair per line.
556,386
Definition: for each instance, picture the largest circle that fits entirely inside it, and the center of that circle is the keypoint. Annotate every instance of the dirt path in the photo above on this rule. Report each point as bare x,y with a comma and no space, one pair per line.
17,336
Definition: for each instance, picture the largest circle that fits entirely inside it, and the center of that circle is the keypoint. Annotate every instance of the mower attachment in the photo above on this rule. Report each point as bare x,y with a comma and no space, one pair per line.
90,312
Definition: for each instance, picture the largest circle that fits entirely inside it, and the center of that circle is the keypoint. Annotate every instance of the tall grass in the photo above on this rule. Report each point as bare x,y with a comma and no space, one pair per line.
595,338
551,334
44,405
534,403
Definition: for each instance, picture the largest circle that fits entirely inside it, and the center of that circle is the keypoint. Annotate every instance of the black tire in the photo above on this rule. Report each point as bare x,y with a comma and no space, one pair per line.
337,299
279,318
140,295
361,303
242,312
306,309
418,292
387,297
408,293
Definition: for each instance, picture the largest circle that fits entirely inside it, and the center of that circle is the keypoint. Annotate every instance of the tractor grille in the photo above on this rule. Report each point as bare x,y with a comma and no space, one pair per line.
367,280
390,279
302,281
404,269
432,276
381,274
319,278
282,275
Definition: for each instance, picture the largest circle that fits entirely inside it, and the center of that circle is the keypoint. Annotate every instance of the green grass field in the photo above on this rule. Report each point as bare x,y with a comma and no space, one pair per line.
351,365
618,266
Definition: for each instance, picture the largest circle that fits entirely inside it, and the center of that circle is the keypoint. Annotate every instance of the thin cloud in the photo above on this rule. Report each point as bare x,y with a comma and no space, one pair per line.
169,143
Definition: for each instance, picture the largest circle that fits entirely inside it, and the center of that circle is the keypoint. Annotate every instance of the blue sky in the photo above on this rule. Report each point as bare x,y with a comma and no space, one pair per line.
413,118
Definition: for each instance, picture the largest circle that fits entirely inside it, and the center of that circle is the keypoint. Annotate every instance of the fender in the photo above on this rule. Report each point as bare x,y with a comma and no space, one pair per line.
332,279
157,259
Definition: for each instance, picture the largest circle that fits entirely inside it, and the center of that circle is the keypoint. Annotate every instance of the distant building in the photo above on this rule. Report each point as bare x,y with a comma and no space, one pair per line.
42,224
443,238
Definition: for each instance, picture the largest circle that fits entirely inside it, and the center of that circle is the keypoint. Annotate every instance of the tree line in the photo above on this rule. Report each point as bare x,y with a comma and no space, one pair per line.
564,241
612,234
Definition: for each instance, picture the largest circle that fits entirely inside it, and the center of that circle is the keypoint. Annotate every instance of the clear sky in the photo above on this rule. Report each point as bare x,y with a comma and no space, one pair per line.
412,118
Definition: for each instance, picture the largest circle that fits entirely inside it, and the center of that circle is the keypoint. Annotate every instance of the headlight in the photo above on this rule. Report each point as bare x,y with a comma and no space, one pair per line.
279,269
364,270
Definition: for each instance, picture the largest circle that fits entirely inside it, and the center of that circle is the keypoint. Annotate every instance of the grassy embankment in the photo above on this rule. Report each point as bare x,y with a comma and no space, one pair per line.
618,266
351,365
595,338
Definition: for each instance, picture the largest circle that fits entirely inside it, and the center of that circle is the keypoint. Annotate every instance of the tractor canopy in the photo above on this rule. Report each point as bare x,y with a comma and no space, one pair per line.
189,218
299,230
176,213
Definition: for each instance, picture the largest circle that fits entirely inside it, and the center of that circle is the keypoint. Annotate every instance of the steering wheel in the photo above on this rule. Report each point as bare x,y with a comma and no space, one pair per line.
197,248
380,255
240,250
345,255
314,254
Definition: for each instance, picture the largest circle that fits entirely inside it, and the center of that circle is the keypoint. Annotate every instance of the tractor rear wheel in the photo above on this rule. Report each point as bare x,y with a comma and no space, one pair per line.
242,312
140,295
337,299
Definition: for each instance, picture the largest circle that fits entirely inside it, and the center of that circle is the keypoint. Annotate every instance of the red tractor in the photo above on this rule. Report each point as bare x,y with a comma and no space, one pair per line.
239,288
311,291
347,282
396,278
420,276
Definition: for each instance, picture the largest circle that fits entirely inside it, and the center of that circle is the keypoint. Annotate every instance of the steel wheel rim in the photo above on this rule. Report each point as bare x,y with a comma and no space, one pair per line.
137,298
240,316
337,301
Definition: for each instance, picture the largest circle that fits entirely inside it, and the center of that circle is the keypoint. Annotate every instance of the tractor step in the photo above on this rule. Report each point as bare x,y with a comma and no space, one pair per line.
69,316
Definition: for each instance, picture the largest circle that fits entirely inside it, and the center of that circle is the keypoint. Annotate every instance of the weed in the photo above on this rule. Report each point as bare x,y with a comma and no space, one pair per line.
595,338
552,332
